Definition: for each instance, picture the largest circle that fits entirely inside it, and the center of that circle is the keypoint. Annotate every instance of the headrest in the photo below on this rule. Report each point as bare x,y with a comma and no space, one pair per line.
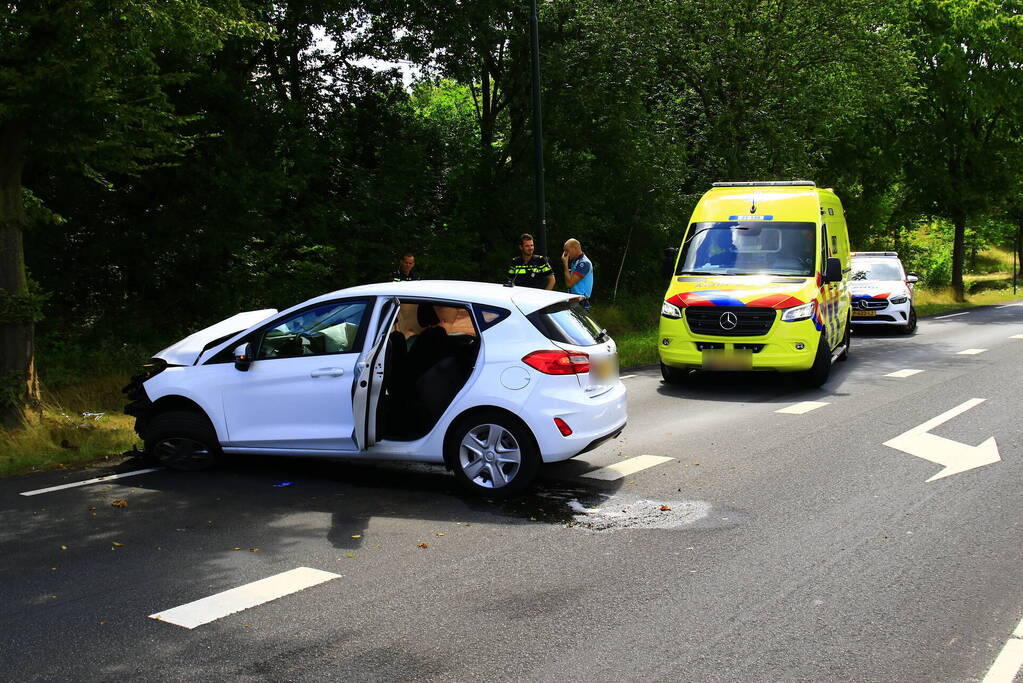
426,316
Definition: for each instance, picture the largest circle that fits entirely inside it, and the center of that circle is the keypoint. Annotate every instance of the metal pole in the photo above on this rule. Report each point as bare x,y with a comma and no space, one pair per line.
541,217
1015,252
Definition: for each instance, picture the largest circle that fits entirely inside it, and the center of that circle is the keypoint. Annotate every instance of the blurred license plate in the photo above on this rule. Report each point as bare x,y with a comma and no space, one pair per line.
716,359
605,369
864,314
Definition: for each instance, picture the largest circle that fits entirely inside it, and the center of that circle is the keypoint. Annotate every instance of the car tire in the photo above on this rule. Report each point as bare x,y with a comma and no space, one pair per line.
674,376
182,440
910,327
492,454
846,340
819,372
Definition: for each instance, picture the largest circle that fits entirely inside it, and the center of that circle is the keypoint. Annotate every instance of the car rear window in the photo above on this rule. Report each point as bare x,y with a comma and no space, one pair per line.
568,322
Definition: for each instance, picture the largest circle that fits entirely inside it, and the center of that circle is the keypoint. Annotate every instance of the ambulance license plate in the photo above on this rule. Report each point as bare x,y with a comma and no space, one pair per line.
716,359
864,314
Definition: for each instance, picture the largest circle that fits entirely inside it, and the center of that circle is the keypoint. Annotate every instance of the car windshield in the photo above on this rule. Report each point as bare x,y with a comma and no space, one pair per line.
887,269
749,248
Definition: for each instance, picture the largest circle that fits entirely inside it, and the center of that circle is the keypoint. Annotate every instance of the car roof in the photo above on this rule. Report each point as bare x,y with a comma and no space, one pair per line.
526,299
874,254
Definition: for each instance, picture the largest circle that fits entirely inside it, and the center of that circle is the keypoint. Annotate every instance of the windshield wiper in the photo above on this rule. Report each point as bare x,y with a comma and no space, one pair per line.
695,272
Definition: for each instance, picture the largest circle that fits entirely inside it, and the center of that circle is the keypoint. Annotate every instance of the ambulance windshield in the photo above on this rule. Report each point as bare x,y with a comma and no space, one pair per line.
749,248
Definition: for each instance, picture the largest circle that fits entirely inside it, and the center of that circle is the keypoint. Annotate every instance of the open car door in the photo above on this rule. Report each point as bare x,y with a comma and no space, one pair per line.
369,380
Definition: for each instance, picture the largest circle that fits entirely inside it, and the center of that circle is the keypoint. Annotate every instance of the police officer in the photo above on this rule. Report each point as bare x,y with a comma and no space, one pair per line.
529,269
405,272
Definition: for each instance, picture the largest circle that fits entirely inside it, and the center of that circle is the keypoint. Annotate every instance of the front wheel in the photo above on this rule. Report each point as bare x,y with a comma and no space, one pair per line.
819,372
674,376
492,454
910,326
182,440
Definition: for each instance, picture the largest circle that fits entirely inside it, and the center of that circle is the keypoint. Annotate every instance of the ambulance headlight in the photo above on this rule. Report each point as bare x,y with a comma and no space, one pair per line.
901,299
798,312
671,311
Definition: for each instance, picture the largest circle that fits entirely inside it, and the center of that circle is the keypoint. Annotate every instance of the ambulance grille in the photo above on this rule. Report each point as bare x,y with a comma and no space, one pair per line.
749,321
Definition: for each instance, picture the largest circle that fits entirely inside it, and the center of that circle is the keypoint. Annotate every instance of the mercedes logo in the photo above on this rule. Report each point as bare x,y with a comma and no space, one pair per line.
728,321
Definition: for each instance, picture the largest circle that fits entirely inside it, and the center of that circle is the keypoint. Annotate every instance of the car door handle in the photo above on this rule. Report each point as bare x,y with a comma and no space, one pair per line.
327,372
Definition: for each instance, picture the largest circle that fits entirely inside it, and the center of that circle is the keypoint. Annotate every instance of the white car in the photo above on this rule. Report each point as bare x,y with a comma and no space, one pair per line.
881,291
491,380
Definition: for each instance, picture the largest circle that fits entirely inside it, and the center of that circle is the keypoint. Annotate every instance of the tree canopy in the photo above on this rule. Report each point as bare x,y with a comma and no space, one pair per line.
167,164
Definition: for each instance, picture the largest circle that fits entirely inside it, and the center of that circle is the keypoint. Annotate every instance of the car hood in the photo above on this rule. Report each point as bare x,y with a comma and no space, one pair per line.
877,289
741,290
188,350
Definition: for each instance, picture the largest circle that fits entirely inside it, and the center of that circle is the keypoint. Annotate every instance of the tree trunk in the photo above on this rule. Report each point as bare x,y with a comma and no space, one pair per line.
19,387
958,253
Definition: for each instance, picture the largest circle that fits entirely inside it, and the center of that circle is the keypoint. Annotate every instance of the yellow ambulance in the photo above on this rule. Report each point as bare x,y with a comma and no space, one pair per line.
760,283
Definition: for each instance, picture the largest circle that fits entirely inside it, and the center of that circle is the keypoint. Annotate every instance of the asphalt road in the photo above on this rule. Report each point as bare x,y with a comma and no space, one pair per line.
797,546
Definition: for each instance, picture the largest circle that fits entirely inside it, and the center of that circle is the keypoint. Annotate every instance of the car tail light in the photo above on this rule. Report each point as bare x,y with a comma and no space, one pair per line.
558,362
563,427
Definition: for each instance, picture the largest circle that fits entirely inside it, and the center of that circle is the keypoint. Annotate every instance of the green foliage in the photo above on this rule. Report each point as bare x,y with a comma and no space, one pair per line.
276,168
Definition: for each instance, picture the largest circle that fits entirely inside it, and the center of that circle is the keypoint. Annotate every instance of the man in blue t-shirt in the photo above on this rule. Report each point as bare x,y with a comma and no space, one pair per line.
578,271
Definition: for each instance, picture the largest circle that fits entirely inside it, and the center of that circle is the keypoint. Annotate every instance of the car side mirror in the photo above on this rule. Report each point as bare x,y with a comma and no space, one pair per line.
243,356
833,270
912,278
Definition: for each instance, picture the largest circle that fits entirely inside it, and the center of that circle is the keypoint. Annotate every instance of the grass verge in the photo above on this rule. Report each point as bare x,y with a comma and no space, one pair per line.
930,302
79,423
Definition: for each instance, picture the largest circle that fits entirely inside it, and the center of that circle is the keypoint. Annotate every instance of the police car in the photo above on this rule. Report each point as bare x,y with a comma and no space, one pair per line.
882,291
491,381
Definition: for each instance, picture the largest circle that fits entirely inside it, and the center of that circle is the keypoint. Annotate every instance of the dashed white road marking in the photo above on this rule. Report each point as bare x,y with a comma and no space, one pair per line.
1009,661
109,477
951,315
626,467
626,376
243,597
1016,336
904,373
970,352
1009,305
802,407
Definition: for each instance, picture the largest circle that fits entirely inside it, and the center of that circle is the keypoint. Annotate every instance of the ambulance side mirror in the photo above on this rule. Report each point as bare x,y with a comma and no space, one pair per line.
668,263
833,270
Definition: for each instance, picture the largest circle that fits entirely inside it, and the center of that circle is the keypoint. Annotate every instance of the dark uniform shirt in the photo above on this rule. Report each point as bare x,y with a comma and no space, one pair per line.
399,276
532,274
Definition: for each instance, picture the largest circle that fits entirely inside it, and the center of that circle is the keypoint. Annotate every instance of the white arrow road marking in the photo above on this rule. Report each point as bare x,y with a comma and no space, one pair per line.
802,407
1009,661
904,373
243,597
970,352
109,477
630,466
951,315
955,457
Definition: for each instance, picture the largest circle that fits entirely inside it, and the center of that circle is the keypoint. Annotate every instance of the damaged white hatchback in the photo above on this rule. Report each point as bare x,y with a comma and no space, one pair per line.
490,380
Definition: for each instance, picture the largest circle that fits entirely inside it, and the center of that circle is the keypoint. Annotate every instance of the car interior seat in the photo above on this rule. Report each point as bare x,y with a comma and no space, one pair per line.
429,346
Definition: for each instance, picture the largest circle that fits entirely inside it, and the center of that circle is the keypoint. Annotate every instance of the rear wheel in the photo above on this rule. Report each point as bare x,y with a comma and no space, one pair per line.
182,440
674,376
818,373
910,326
492,454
